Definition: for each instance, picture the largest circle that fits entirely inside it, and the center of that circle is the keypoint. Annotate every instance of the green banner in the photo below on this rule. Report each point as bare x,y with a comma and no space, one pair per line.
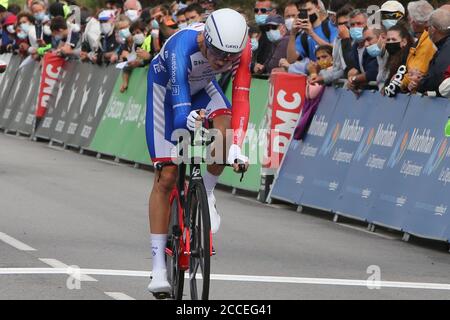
254,143
121,132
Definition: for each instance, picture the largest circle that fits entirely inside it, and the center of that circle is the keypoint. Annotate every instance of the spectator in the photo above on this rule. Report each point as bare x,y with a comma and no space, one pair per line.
194,13
132,9
116,6
208,6
139,41
162,24
323,63
422,52
363,67
398,43
3,14
8,34
341,49
375,42
181,19
439,33
315,32
43,32
124,37
26,23
263,9
334,7
14,9
277,34
391,13
65,40
444,88
290,14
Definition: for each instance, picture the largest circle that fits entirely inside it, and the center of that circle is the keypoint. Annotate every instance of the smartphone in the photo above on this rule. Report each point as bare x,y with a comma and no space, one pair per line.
303,15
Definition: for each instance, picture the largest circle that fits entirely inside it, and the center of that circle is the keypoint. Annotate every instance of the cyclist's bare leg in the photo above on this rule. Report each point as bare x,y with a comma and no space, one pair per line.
159,200
159,224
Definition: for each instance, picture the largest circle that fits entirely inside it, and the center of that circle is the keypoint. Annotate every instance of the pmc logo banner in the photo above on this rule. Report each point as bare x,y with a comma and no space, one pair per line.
51,69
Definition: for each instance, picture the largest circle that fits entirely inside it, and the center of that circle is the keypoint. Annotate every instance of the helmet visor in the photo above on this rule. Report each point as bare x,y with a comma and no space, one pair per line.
222,55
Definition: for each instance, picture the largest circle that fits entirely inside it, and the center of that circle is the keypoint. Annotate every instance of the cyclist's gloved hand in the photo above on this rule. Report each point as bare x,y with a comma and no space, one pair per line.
234,154
193,119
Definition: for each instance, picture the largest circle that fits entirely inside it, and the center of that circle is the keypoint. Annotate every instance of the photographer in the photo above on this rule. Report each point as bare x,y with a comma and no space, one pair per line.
314,31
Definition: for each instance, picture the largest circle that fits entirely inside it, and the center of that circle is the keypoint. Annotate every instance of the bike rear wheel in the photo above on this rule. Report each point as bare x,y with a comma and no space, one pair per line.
174,273
200,230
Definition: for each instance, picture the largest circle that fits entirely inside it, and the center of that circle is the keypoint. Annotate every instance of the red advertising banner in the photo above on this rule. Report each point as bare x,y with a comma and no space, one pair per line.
51,70
286,100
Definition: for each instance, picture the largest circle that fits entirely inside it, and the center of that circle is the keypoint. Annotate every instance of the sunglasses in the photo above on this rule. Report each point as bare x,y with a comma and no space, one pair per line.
391,15
271,27
262,10
222,55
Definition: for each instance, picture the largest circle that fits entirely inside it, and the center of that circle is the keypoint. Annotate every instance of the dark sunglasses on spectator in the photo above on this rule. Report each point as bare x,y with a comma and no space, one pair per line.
271,27
391,15
262,10
344,24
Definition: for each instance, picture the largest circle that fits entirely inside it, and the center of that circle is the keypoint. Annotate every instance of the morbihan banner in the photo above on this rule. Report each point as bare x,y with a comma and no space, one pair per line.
369,161
301,160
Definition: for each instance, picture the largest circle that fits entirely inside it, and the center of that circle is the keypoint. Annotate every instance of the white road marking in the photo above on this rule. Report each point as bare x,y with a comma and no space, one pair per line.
366,231
75,273
15,243
119,296
240,278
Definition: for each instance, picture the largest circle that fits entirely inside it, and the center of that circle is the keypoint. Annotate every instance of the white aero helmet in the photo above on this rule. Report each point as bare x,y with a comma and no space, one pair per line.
226,30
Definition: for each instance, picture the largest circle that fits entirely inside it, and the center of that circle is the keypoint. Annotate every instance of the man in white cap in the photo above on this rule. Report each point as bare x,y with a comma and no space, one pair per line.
391,13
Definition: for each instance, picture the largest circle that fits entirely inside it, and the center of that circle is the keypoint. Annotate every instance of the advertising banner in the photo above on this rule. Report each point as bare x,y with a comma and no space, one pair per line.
300,164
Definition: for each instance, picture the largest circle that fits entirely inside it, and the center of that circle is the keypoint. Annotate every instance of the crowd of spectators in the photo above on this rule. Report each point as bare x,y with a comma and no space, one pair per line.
397,49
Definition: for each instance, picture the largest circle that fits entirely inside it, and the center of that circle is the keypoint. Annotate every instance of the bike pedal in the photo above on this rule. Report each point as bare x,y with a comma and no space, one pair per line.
161,296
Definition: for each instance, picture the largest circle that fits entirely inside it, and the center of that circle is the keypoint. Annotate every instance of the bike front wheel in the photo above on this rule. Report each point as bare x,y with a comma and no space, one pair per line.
200,242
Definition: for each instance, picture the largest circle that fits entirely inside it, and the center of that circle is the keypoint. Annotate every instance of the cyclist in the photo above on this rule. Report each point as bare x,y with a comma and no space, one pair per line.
181,81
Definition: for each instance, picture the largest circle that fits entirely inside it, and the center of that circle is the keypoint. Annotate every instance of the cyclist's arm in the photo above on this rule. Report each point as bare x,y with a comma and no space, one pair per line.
241,96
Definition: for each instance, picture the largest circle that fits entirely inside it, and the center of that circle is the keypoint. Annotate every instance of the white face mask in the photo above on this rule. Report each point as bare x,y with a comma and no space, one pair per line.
289,23
133,15
182,26
74,27
106,28
139,39
47,30
11,29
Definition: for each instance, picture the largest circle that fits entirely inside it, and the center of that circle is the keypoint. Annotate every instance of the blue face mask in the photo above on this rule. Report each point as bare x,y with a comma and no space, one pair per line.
25,27
261,19
357,34
125,33
22,35
155,24
255,44
273,35
374,50
40,16
389,23
58,37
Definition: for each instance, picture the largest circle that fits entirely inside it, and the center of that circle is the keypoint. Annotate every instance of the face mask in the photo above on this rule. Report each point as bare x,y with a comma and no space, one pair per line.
25,27
273,35
11,29
313,18
393,47
125,33
261,19
47,30
255,44
40,16
155,24
22,35
289,23
325,64
58,38
182,26
139,39
389,23
374,50
106,28
133,15
357,34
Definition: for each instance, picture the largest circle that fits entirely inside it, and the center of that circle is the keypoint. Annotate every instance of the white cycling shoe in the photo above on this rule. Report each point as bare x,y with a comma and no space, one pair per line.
214,216
159,283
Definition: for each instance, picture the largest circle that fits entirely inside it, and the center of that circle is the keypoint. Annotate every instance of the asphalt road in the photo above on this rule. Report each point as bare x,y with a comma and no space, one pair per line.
59,209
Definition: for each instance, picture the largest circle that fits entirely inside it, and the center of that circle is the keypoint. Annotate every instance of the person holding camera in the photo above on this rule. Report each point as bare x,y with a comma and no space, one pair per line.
309,32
